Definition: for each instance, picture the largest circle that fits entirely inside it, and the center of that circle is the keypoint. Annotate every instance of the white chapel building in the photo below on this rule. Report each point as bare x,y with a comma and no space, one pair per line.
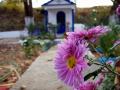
60,13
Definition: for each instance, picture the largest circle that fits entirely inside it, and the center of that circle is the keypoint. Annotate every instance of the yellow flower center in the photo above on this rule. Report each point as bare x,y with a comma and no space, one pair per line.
71,62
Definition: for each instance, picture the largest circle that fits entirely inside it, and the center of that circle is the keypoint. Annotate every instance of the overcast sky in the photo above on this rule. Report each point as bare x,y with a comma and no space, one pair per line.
80,3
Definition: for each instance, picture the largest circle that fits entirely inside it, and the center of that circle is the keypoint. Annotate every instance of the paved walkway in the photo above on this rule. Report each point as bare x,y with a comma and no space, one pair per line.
41,75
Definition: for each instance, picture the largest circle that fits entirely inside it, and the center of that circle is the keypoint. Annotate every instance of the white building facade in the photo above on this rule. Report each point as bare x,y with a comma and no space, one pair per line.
60,13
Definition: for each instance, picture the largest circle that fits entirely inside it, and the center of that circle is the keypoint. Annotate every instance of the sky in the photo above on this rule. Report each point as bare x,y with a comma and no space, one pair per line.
80,3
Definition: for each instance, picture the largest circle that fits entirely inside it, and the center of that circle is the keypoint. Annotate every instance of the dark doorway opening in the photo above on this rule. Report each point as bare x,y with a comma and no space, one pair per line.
61,22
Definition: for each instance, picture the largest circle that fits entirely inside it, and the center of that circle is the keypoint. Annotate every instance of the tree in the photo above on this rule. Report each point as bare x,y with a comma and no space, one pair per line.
115,5
27,9
28,12
114,17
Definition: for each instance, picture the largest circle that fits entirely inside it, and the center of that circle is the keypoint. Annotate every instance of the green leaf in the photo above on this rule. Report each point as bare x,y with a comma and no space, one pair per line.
92,74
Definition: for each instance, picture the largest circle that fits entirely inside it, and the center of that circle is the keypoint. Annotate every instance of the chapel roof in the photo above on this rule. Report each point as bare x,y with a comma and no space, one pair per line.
49,3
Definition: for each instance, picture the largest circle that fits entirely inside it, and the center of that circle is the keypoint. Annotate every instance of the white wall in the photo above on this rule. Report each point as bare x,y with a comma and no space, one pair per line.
79,27
13,34
52,16
59,7
69,17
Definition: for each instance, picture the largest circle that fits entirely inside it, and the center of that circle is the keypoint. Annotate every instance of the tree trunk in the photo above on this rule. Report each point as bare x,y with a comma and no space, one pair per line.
116,3
28,8
28,12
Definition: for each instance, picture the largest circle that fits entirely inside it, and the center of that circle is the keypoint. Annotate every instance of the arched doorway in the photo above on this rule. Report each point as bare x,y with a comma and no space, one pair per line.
61,22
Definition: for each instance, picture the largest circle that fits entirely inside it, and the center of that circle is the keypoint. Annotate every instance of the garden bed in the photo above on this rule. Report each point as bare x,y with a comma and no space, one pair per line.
13,63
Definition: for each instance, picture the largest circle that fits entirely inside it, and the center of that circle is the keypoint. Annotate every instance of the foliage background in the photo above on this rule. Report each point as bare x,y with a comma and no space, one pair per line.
93,16
12,16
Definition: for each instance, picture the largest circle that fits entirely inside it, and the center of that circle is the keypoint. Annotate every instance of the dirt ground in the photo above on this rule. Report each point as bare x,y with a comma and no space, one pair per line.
13,62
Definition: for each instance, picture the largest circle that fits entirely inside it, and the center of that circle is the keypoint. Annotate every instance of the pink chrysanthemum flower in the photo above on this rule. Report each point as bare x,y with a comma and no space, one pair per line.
91,85
88,86
70,63
96,32
118,10
117,42
88,35
78,37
